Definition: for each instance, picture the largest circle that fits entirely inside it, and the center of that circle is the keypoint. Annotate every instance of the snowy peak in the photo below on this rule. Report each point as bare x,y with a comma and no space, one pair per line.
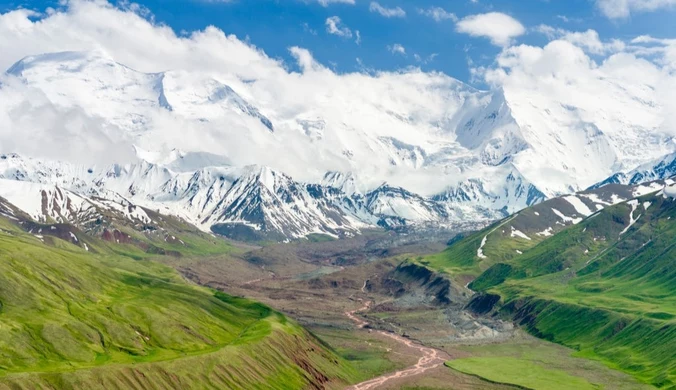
661,168
206,99
265,203
102,87
270,179
345,182
395,205
69,61
512,193
52,204
491,130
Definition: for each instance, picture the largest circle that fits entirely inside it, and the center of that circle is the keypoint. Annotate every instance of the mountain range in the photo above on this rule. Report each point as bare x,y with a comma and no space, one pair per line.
221,154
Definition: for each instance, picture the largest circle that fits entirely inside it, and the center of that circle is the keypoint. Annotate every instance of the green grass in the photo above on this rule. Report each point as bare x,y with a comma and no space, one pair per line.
597,287
553,357
74,319
615,302
369,357
519,372
461,259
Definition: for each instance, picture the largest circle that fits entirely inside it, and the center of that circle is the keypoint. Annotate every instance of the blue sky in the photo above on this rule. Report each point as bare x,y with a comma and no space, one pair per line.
274,26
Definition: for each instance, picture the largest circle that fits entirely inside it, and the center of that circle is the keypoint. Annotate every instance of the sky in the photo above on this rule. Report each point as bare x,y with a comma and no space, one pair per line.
452,37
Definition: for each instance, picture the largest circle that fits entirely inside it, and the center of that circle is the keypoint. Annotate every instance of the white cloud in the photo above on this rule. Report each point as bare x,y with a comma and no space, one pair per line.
397,49
304,59
30,123
620,9
500,28
438,14
588,40
425,60
396,12
568,19
326,3
308,29
335,26
357,40
663,51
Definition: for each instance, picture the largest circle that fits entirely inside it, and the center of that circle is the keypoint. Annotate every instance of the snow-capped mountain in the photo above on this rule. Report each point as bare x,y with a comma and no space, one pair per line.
250,202
220,151
48,203
661,168
266,200
127,98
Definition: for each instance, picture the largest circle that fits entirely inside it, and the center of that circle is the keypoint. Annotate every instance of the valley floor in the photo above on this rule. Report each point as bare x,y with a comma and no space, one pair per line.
317,284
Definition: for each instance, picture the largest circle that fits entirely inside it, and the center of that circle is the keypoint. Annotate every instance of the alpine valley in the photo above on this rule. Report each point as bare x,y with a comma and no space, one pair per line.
223,154
181,209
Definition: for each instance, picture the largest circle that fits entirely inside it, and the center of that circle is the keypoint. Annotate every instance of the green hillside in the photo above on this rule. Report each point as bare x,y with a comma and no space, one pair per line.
70,318
604,286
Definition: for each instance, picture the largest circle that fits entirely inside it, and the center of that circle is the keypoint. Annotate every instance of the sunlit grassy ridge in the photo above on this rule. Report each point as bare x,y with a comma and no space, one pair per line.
600,287
73,319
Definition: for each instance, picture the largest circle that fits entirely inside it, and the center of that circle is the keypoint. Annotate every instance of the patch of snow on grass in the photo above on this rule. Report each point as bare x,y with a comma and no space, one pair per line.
566,218
518,233
546,233
579,206
632,221
670,191
615,199
646,189
480,252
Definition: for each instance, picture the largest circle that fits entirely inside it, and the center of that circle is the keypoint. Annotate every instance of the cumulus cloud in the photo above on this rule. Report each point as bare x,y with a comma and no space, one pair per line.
397,49
438,14
620,9
588,40
500,28
396,12
335,26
